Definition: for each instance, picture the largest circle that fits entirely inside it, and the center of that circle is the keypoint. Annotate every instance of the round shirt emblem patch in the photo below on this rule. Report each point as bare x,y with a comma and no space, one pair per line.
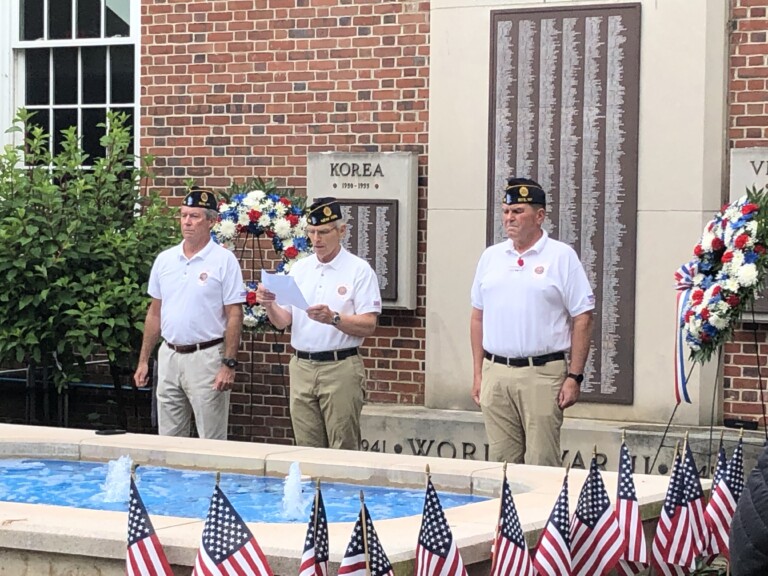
203,278
539,269
342,290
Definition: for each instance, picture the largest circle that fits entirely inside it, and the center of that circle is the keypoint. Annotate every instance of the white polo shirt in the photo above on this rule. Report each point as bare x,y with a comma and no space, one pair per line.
347,284
528,299
194,291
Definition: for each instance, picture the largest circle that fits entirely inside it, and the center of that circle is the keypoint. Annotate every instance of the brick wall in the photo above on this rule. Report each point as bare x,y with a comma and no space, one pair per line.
242,88
748,111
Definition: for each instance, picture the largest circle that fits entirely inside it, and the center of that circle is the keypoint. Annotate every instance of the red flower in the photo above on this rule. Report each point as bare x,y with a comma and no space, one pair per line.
254,215
285,202
697,296
688,315
717,244
250,298
749,208
293,219
705,314
291,252
728,256
698,251
741,241
716,290
759,248
733,300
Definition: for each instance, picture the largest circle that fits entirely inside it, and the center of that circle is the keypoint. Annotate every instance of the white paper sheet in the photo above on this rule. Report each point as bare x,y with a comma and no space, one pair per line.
285,289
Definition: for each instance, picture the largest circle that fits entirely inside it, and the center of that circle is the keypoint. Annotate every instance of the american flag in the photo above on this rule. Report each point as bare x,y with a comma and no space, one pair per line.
725,495
712,550
553,552
362,545
511,556
672,547
596,540
694,497
145,554
314,560
228,546
436,552
635,558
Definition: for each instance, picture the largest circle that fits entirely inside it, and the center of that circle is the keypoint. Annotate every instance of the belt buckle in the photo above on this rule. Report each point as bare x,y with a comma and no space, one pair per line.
335,355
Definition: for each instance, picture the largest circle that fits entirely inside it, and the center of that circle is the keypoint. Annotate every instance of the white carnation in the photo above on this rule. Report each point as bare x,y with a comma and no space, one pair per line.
282,228
226,229
747,275
249,320
731,285
264,221
280,209
718,321
243,218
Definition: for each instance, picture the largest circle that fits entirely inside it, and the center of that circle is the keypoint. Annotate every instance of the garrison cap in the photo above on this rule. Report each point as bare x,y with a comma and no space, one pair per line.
201,198
524,191
324,210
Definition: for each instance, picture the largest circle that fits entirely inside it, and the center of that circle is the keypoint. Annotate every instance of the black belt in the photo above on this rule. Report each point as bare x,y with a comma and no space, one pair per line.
189,348
528,361
329,356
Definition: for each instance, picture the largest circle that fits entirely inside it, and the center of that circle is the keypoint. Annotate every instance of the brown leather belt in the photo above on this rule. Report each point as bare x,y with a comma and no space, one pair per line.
329,356
527,361
189,348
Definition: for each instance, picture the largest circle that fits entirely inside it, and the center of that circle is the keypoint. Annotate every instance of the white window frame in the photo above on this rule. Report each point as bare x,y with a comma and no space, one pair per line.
15,57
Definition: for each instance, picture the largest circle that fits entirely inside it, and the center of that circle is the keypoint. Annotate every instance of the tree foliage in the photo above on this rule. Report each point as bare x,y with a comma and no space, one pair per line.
77,237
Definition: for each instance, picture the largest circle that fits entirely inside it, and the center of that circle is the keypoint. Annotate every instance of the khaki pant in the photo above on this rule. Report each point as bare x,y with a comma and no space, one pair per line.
185,385
522,418
326,401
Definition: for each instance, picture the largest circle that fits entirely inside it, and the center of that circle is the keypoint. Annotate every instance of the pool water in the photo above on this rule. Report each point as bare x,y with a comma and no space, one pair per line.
187,493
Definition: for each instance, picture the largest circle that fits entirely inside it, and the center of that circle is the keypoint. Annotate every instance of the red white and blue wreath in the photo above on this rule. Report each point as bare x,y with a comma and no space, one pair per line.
721,281
260,209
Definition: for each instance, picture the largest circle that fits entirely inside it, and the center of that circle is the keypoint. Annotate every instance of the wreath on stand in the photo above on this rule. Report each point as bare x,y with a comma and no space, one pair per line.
721,281
259,208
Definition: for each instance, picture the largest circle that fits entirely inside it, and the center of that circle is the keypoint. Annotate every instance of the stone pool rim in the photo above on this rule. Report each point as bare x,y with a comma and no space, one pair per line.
79,533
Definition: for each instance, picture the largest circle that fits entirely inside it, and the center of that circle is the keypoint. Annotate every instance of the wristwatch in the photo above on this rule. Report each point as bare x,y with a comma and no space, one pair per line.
578,377
336,319
229,362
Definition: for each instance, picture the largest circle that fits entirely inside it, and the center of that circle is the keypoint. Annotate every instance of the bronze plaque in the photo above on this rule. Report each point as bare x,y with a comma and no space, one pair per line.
564,111
372,235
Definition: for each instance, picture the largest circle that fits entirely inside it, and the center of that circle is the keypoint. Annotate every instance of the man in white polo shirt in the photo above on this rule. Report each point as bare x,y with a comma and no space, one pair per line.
197,297
530,329
327,375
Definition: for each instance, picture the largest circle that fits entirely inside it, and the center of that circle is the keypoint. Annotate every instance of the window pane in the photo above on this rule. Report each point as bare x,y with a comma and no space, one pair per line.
92,133
118,17
65,75
88,18
62,118
122,74
94,75
31,19
38,83
59,19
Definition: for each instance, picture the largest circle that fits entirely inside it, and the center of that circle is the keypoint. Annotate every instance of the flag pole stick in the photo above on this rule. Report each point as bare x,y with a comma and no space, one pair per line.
316,511
364,526
133,471
624,436
218,477
428,474
494,549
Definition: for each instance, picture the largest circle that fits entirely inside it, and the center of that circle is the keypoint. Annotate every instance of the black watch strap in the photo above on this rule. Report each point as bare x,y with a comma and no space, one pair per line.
229,362
578,377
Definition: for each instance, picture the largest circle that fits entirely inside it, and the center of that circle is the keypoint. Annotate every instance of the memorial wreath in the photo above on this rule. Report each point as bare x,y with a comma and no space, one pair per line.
255,209
723,278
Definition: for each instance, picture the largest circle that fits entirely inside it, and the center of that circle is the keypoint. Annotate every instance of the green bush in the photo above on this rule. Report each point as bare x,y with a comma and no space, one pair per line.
77,237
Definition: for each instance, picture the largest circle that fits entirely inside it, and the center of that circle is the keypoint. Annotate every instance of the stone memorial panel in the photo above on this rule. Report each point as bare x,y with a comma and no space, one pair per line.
564,111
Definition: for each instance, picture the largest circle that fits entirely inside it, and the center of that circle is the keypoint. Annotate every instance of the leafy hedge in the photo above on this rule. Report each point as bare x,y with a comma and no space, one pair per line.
77,241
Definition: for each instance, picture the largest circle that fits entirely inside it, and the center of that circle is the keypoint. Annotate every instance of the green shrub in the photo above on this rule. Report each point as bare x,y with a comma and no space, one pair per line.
77,241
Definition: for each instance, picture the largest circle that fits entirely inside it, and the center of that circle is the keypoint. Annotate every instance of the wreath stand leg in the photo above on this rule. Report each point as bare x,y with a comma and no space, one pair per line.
276,346
760,386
